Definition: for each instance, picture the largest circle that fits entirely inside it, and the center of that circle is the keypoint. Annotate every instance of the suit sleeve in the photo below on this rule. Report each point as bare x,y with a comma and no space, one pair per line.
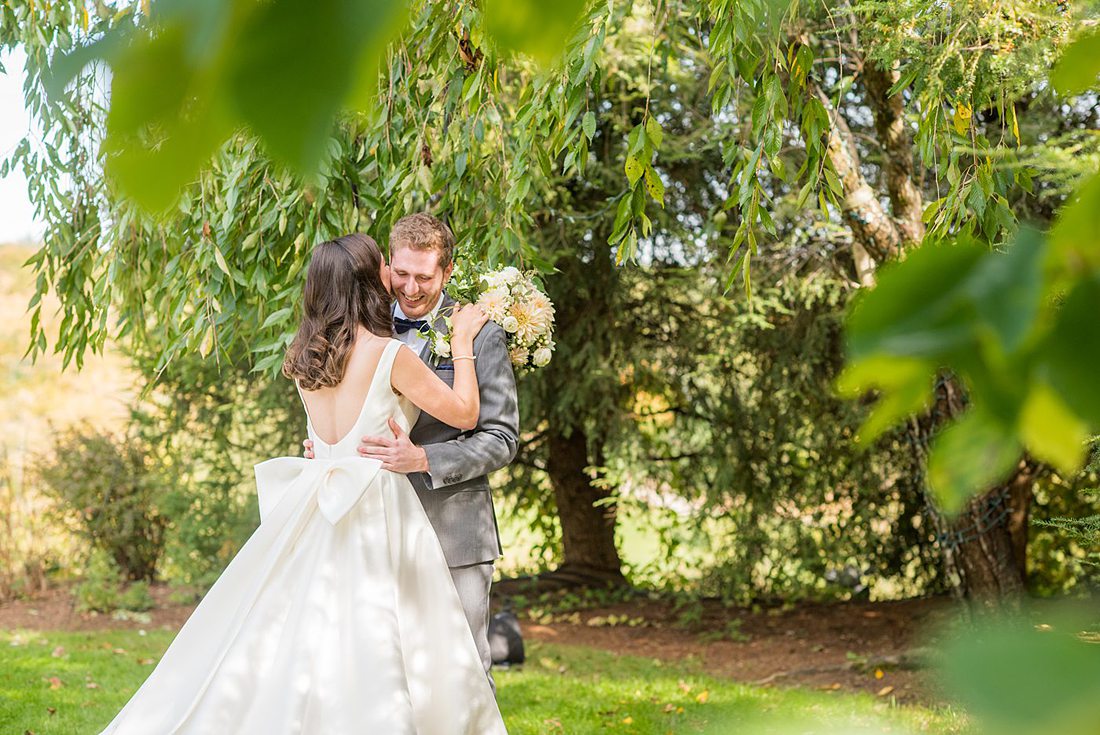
493,442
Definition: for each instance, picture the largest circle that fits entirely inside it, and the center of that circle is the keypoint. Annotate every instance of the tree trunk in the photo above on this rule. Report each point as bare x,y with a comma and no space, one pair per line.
906,202
984,547
983,564
871,225
587,530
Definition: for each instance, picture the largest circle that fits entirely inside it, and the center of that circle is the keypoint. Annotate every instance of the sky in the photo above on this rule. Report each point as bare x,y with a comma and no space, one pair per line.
17,221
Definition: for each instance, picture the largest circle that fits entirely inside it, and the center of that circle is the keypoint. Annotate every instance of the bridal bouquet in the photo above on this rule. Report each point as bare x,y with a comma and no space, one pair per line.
512,299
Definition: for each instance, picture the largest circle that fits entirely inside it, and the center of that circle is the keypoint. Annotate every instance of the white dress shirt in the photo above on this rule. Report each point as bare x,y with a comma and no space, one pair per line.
413,338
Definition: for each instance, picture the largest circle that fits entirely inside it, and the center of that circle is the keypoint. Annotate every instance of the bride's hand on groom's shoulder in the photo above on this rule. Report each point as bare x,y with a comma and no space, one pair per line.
467,321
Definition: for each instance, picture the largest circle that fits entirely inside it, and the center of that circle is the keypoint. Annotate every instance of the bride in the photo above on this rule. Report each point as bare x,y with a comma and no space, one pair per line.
338,616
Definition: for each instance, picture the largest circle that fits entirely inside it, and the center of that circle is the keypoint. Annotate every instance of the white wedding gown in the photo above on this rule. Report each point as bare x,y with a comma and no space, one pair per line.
337,617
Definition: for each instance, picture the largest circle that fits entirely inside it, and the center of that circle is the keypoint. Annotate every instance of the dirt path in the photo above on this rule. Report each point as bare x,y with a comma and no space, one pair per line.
858,646
855,646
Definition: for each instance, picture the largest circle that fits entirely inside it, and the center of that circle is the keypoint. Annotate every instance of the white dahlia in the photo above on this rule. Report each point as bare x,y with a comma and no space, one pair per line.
494,303
519,355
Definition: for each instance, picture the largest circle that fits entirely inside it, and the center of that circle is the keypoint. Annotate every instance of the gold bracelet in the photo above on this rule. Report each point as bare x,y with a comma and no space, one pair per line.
464,357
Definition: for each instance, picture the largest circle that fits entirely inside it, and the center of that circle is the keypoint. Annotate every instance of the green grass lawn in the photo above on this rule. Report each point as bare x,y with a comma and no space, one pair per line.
60,683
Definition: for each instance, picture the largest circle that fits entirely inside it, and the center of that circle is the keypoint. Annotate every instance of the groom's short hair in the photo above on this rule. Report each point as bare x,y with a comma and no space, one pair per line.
421,231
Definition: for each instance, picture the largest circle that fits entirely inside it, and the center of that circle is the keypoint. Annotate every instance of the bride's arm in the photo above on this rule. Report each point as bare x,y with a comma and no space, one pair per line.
416,381
459,406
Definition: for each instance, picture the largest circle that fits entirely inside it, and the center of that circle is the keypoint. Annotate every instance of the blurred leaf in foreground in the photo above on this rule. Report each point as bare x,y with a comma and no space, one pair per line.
534,27
1018,329
185,77
992,319
1019,678
1079,66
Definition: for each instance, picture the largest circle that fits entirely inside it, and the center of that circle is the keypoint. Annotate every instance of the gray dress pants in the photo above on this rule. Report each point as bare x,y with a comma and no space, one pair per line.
473,582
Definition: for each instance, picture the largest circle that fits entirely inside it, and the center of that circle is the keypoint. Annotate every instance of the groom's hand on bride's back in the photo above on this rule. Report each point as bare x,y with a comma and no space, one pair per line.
307,452
398,454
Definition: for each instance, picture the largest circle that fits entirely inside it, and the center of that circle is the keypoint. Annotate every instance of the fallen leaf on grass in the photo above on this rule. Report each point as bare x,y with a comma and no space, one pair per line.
55,683
58,652
703,696
885,690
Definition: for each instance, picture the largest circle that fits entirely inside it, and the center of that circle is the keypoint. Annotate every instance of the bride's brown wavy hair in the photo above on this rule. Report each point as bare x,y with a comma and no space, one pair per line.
343,291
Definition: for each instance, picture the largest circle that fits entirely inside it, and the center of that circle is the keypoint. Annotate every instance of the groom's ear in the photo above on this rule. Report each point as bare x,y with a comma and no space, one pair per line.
447,271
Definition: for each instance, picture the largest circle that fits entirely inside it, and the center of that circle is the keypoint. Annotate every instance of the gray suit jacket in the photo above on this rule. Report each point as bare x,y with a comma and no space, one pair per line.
456,494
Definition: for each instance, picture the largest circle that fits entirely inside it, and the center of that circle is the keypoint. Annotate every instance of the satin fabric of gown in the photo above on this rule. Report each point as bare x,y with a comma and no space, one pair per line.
337,617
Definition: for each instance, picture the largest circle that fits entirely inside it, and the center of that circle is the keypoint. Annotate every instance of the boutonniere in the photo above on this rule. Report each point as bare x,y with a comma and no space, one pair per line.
439,341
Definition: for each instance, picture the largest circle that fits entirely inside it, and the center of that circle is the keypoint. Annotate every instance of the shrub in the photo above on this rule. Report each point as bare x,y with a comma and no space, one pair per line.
104,590
107,495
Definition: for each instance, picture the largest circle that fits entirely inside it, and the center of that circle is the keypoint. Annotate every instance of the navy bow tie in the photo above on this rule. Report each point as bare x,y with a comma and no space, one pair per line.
403,325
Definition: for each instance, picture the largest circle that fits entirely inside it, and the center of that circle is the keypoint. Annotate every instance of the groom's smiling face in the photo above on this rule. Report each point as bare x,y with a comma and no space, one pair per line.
417,280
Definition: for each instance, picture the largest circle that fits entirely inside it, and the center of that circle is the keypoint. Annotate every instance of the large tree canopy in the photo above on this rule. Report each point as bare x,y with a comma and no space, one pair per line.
858,128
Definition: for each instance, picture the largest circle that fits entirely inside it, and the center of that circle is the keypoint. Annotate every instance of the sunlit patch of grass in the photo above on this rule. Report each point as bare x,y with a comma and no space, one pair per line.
53,682
565,689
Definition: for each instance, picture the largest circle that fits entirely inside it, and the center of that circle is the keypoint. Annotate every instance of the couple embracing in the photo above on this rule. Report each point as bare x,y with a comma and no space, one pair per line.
361,602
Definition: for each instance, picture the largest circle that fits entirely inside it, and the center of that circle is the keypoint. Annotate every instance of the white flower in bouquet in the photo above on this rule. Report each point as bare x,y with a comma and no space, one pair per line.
527,325
541,358
519,355
494,303
510,324
542,312
494,281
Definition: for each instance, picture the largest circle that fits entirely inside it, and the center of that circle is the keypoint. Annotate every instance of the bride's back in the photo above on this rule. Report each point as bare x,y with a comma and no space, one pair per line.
361,403
342,344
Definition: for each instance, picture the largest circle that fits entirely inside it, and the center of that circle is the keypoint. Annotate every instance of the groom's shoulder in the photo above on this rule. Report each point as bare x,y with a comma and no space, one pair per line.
491,335
491,332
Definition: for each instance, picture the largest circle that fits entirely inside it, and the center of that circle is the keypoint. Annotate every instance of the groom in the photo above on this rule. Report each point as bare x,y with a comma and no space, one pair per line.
447,466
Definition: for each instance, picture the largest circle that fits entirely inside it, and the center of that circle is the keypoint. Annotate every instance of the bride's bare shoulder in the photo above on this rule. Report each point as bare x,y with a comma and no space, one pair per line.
364,355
